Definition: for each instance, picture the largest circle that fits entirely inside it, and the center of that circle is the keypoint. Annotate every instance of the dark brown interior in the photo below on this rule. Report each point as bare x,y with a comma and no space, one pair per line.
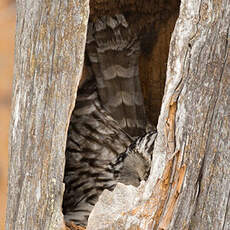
155,19
153,65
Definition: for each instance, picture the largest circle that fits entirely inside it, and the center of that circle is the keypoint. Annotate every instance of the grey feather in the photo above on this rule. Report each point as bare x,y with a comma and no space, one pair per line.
115,62
106,142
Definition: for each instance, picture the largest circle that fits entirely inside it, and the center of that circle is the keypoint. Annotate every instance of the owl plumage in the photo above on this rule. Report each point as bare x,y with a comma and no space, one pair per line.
106,141
93,142
114,51
98,155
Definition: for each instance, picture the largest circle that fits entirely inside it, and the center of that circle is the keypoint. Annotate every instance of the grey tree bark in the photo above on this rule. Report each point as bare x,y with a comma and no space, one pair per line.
189,185
49,53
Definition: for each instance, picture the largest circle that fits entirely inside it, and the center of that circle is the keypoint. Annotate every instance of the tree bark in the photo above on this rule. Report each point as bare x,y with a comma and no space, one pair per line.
188,187
50,43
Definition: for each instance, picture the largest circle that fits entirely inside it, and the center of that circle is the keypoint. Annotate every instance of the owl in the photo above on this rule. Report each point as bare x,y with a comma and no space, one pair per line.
107,141
114,50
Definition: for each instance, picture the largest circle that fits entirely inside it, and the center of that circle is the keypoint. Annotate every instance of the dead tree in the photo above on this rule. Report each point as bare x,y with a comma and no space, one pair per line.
188,187
50,38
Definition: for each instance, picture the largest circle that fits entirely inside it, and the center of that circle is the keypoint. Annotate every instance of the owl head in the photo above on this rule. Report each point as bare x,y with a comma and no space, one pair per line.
133,166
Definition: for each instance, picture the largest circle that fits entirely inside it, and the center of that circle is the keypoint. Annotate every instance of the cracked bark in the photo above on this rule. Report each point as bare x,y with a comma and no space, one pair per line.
50,41
188,187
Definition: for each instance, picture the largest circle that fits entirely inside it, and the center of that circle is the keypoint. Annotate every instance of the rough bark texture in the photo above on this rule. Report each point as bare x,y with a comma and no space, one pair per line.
188,187
50,41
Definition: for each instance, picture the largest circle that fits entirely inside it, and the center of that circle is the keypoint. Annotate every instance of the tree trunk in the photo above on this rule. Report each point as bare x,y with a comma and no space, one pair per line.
189,185
50,43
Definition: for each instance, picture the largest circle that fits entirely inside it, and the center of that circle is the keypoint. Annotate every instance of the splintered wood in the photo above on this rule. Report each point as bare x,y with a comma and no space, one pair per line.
72,226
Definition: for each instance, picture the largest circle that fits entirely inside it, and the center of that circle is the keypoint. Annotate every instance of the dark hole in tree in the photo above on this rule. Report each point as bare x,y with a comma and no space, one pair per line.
96,157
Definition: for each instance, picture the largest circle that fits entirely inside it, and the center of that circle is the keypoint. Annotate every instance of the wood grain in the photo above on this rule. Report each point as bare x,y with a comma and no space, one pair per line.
50,38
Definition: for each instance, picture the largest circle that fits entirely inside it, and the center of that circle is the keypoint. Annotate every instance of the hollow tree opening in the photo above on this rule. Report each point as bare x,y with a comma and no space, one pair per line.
191,151
119,100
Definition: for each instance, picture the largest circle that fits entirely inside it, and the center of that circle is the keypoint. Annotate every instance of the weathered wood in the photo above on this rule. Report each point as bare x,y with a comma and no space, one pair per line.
50,43
202,117
189,186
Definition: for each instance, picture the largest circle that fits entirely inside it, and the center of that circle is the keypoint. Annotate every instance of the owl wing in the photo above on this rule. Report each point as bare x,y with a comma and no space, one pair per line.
108,112
114,50
94,140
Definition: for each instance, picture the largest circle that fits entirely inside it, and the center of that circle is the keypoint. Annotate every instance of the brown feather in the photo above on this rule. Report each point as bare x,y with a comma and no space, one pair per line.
115,62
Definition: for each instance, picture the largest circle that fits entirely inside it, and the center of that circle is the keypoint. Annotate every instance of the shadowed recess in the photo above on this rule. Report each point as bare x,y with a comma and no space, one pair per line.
112,128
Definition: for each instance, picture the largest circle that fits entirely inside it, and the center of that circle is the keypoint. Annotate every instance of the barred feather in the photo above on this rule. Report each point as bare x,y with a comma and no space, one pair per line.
98,155
114,54
109,114
94,140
